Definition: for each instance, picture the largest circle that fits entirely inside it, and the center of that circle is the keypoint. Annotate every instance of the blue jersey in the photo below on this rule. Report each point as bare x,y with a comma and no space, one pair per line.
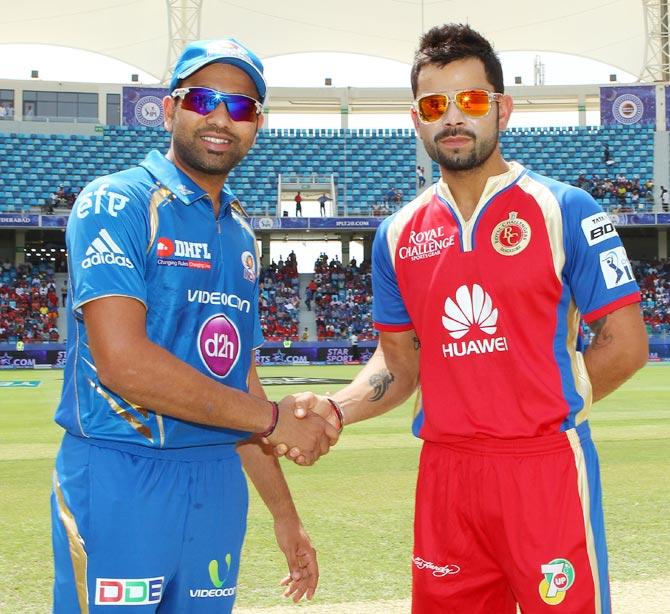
149,233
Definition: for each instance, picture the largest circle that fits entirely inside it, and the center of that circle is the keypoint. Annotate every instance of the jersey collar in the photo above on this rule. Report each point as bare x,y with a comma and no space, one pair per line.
494,184
179,183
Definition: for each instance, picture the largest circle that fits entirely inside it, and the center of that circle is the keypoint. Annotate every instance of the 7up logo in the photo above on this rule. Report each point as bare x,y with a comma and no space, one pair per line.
217,581
559,576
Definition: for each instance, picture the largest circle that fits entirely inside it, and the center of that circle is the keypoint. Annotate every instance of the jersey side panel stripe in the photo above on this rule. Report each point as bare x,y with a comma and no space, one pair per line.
580,375
575,381
400,220
551,210
593,521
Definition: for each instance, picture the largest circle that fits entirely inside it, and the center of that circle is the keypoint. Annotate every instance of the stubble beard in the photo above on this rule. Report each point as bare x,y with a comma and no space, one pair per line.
482,150
191,153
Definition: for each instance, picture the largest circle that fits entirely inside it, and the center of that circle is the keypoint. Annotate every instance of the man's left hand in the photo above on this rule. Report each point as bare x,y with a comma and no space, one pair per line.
301,558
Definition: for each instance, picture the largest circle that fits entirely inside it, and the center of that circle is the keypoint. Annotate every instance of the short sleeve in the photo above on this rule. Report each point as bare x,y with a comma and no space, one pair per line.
388,308
107,237
258,338
597,268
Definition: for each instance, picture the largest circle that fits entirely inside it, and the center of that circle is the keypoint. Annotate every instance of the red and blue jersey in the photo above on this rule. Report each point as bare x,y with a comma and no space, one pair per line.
496,302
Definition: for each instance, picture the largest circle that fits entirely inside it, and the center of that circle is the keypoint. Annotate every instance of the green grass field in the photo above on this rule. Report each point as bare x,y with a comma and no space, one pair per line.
356,502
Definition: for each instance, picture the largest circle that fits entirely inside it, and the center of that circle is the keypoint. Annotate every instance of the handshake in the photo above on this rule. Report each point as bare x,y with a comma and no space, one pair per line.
307,425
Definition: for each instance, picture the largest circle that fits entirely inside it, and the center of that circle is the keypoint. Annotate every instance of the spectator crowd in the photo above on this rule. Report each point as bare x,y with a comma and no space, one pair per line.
63,197
654,279
279,289
28,303
342,297
618,194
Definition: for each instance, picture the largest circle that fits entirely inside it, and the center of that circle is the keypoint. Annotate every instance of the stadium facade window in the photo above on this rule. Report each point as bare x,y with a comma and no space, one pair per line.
60,106
113,109
7,104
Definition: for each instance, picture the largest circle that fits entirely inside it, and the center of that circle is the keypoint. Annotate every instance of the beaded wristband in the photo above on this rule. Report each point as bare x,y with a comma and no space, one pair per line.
275,419
338,410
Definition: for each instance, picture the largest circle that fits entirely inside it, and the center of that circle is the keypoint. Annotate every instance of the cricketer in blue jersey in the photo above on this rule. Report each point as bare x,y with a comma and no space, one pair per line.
161,402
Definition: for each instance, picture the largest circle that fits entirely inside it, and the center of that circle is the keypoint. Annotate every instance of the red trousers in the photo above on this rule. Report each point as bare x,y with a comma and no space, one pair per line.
506,522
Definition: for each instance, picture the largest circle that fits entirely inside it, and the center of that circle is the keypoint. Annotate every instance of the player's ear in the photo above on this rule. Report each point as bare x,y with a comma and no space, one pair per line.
415,119
169,108
505,107
260,123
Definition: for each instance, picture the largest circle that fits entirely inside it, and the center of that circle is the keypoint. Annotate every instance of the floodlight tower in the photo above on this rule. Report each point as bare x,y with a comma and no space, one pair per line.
184,27
657,51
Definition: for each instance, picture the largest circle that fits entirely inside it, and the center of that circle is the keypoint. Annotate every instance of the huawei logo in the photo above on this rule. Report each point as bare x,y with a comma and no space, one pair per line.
472,308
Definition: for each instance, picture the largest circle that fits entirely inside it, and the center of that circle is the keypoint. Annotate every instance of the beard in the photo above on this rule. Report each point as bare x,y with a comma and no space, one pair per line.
457,160
191,152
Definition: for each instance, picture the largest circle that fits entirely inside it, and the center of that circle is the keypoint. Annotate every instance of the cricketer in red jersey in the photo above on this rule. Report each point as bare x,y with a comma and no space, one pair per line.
479,286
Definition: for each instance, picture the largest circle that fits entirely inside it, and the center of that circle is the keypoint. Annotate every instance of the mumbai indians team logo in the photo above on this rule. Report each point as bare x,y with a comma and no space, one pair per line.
628,109
511,236
559,576
149,111
248,266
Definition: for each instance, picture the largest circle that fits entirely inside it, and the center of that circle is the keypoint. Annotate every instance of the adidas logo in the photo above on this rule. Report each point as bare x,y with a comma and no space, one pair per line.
472,308
103,250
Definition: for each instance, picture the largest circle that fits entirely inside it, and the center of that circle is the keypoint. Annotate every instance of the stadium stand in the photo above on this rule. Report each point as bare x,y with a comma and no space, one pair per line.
618,194
343,300
653,276
279,301
28,303
368,162
654,279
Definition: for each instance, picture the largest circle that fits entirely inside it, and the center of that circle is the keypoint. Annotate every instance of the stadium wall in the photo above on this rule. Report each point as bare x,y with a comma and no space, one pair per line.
52,356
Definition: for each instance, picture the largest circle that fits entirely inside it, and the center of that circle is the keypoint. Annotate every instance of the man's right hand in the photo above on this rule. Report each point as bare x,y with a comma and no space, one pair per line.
307,433
307,403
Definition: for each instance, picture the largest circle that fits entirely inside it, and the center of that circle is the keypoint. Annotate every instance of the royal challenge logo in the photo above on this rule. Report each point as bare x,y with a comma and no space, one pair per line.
217,576
219,344
559,576
472,313
425,244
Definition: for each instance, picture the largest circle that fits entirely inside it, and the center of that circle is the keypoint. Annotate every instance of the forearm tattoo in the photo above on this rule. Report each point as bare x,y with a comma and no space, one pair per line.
601,336
417,343
380,383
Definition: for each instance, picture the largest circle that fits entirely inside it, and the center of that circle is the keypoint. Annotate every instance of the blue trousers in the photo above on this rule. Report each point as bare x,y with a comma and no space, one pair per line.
154,530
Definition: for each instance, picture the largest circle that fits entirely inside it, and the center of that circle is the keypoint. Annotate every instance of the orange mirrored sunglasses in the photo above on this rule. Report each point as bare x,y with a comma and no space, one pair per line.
473,103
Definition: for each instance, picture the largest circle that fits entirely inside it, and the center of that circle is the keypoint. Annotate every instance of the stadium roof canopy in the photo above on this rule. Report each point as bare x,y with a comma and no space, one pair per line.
138,31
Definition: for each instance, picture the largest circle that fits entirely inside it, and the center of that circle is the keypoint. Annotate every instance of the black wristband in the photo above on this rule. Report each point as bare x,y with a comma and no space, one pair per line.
275,419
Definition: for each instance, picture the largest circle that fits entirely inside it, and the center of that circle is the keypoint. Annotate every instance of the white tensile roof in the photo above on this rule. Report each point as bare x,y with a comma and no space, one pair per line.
137,31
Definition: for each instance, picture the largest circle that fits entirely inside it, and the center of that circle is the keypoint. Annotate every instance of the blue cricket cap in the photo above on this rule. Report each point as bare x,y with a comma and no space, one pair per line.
198,54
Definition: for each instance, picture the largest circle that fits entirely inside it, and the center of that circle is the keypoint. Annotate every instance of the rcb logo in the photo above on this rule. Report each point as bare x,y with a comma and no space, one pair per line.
511,236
